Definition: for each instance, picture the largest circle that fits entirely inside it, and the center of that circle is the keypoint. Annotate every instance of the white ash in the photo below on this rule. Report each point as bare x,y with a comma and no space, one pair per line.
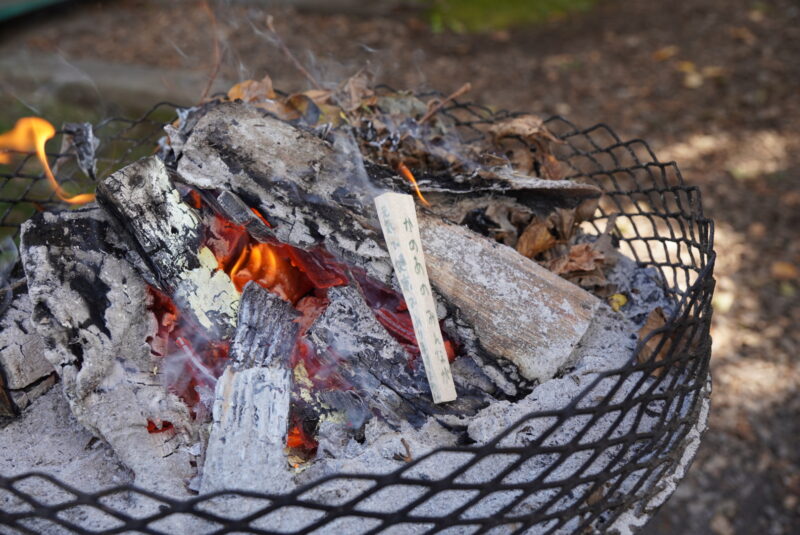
48,439
90,307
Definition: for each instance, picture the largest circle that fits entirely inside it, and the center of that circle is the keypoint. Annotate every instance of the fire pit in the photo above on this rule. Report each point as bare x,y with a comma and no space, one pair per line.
233,275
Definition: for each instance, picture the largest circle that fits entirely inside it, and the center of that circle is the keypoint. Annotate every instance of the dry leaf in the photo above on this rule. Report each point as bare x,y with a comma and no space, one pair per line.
617,301
251,90
535,239
665,53
655,320
784,271
530,129
355,90
581,257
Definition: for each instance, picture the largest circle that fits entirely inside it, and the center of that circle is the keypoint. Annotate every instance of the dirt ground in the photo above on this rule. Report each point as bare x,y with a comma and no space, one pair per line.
712,84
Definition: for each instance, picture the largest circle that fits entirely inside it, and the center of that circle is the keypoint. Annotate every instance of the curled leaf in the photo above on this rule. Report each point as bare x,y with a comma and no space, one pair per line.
535,239
655,320
252,90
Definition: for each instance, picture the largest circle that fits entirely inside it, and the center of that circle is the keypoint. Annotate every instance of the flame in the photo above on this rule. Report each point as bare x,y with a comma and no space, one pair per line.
30,135
406,172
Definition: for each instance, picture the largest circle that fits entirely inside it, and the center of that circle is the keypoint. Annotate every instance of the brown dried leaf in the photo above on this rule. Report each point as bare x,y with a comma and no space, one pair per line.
528,127
531,130
535,239
251,90
355,91
562,220
655,320
581,257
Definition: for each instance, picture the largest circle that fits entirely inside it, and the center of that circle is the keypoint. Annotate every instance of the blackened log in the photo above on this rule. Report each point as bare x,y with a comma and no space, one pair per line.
266,331
351,343
90,306
168,231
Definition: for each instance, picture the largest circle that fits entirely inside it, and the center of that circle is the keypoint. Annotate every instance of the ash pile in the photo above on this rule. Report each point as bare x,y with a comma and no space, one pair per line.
226,315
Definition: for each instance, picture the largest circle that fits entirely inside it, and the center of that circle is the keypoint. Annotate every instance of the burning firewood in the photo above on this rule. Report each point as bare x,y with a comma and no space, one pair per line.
90,307
252,398
167,231
313,195
354,346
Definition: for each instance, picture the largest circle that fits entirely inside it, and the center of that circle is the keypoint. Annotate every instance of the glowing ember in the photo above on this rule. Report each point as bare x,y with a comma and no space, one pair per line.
152,427
30,135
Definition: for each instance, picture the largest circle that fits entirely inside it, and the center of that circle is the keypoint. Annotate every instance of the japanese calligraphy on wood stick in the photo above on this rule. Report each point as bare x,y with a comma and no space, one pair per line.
398,219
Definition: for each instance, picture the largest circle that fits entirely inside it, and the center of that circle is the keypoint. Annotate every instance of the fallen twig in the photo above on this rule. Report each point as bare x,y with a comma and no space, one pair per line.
439,105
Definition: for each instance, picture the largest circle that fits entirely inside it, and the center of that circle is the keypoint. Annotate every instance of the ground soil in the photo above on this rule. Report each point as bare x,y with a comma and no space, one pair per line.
712,84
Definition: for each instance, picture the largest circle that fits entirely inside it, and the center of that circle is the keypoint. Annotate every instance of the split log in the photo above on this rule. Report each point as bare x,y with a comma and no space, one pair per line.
266,331
168,232
21,351
252,398
90,309
519,310
248,434
296,180
351,343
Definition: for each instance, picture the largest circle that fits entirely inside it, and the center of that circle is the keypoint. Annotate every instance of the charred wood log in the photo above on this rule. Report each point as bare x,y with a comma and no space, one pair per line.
252,400
298,182
385,383
168,232
90,309
266,331
21,350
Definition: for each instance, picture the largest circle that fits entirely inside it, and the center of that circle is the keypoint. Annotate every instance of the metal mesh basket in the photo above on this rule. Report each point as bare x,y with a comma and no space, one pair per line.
661,224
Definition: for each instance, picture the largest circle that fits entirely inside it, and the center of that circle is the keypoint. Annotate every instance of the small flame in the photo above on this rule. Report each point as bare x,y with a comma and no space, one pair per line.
406,172
30,135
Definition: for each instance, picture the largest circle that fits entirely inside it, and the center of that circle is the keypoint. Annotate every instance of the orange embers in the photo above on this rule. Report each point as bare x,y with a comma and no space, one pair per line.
190,359
30,135
288,272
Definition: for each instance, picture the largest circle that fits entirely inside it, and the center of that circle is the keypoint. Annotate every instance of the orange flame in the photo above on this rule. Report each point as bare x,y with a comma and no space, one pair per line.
406,172
30,135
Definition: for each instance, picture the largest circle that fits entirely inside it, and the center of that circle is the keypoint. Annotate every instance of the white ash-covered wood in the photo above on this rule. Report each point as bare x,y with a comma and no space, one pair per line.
90,306
22,359
350,341
266,331
291,177
248,434
252,399
168,232
520,311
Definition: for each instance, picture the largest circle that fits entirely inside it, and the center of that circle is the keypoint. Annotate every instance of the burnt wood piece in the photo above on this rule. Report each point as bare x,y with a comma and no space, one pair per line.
351,343
248,434
299,182
252,400
520,311
168,232
266,331
21,349
90,306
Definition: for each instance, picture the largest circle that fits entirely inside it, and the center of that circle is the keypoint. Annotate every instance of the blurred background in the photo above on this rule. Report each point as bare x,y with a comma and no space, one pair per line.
712,84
